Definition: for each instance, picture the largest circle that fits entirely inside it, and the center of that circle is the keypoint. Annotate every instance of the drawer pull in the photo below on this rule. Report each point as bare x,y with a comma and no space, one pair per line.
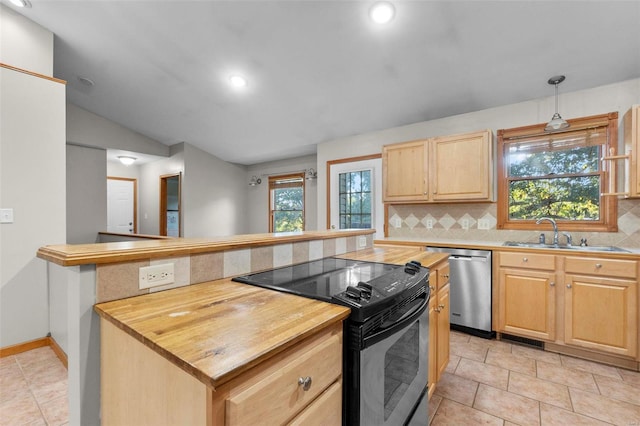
598,265
568,285
524,259
305,382
445,276
552,284
432,288
441,307
437,310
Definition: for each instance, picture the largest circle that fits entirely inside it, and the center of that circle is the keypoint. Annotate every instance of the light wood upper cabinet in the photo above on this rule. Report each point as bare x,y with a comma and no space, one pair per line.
404,168
441,169
631,126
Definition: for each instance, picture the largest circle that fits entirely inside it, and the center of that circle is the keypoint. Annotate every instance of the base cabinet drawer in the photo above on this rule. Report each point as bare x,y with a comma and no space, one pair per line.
280,396
324,411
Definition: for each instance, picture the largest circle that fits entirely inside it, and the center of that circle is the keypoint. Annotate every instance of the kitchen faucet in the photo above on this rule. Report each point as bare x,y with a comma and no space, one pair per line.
555,228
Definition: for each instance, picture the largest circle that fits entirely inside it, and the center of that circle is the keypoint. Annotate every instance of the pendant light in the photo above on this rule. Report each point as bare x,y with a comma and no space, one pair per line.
557,122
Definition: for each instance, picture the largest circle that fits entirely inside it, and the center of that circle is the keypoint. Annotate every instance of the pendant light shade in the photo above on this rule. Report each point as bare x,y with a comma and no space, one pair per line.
557,122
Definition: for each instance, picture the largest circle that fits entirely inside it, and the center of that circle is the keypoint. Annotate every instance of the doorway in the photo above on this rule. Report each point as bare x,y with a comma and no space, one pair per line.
122,205
170,213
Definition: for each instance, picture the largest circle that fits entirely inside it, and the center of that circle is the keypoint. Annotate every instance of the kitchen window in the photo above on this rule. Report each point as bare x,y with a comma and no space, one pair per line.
354,194
286,203
559,175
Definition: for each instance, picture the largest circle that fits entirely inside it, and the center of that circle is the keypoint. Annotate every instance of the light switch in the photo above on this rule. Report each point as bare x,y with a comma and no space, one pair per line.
6,215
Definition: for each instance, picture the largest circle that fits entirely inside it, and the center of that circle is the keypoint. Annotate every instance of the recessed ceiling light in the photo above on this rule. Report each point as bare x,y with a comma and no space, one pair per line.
21,3
237,81
382,12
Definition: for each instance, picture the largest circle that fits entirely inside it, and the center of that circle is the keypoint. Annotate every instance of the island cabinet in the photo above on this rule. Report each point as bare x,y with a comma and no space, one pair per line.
601,305
440,169
439,324
527,295
631,129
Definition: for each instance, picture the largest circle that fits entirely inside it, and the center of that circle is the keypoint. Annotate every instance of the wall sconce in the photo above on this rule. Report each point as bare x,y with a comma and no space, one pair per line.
126,160
311,174
255,180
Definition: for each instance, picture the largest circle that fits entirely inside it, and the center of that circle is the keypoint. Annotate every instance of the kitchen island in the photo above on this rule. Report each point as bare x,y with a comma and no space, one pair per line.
82,275
219,342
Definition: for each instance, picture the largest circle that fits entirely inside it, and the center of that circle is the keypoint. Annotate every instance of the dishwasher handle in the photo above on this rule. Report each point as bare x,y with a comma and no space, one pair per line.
469,258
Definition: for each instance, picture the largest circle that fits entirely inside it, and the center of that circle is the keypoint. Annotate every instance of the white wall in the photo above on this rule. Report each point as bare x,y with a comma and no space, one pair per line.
32,183
614,97
258,196
25,44
214,192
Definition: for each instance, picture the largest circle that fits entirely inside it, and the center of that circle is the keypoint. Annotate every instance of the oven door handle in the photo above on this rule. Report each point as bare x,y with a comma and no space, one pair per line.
417,308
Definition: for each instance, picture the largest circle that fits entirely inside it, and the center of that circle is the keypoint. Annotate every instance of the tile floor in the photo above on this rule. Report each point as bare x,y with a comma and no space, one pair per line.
33,389
486,382
499,383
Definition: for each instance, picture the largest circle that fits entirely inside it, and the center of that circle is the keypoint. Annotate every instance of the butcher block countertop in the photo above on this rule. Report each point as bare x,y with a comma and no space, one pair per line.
217,330
124,251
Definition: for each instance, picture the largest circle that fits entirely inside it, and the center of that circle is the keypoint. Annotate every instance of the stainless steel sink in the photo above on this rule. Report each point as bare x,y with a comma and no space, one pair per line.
565,247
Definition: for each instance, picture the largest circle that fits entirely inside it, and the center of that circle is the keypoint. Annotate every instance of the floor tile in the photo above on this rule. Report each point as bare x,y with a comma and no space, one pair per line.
434,403
591,367
617,389
36,357
630,377
514,408
44,392
537,354
554,416
603,408
540,390
20,410
453,364
483,373
456,337
511,362
567,376
56,411
496,345
455,414
457,389
469,350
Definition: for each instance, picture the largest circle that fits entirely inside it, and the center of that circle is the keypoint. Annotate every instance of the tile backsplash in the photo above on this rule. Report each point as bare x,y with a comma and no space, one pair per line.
448,221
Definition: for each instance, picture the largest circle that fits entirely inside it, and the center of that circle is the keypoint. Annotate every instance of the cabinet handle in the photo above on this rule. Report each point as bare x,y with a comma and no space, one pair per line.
598,265
552,284
437,310
445,276
425,193
524,259
441,306
432,288
305,382
568,285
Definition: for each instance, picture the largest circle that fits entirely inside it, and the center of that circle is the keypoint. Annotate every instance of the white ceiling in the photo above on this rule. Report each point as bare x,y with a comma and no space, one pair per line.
320,70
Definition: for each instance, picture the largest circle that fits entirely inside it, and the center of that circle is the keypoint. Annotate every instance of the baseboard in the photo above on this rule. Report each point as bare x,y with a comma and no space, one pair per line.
35,344
626,363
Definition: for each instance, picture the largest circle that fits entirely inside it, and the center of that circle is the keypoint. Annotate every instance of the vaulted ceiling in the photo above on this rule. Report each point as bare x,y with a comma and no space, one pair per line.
320,70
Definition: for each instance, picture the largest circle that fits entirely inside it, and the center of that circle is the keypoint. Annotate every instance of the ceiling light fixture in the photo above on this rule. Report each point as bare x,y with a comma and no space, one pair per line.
382,12
21,3
237,81
126,160
557,122
255,180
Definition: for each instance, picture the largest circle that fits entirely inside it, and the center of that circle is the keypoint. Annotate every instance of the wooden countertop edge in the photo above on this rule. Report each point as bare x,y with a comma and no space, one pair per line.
115,252
424,243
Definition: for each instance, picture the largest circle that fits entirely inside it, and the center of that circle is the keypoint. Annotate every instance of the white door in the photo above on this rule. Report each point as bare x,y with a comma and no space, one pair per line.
121,205
377,210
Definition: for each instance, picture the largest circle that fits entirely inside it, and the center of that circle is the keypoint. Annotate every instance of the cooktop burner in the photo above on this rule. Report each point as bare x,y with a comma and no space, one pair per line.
319,279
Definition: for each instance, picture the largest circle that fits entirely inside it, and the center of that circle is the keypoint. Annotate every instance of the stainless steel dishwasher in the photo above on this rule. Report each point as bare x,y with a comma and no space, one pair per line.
470,287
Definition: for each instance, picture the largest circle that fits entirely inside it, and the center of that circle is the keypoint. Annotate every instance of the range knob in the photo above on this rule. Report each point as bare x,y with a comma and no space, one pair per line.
354,293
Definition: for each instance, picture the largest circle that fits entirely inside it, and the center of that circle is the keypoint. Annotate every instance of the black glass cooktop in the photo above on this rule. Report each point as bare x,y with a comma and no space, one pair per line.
318,279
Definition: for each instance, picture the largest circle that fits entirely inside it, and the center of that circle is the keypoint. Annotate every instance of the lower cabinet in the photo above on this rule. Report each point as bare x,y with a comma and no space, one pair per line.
302,385
581,302
439,324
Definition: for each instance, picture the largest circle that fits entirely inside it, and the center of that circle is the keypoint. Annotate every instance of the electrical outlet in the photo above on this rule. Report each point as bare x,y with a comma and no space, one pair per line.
153,276
362,241
465,224
429,223
397,223
483,224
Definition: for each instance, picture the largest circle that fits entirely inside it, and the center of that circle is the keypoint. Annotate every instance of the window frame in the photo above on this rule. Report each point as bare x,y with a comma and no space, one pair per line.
273,185
608,204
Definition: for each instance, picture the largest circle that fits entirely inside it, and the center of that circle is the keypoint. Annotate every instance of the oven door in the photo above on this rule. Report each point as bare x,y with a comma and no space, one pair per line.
393,369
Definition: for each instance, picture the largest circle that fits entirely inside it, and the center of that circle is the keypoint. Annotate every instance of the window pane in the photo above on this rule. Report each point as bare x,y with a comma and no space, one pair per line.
366,203
286,221
575,198
366,181
355,199
545,163
288,198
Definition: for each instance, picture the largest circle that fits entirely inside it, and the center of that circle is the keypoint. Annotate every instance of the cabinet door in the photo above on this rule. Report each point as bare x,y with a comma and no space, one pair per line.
527,303
404,169
601,313
444,331
461,167
433,344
